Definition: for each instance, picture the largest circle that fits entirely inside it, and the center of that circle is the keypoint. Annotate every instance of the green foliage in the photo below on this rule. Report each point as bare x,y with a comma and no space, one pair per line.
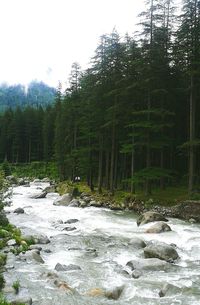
16,286
6,168
2,283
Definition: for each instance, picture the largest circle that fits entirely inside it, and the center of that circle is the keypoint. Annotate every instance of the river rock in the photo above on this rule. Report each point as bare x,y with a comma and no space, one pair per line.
71,267
50,189
62,285
64,200
159,227
162,251
74,203
36,256
19,301
149,264
136,274
187,210
11,242
46,179
19,211
150,217
115,293
41,239
169,289
35,247
69,229
69,221
40,195
3,219
12,179
137,243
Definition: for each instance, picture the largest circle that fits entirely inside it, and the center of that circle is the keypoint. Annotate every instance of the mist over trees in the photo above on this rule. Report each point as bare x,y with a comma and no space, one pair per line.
36,94
129,121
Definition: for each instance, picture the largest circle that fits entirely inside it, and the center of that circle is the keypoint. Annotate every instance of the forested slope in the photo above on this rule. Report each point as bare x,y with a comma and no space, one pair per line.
132,118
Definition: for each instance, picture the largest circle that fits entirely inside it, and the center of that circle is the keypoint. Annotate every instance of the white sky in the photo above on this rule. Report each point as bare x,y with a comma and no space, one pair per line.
40,39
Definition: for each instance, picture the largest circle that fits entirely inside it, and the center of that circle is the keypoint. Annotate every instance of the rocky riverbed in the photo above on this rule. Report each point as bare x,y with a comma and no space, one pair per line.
97,256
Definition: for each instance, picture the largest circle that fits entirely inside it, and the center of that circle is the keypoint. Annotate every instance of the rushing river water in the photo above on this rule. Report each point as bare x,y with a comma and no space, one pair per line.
101,246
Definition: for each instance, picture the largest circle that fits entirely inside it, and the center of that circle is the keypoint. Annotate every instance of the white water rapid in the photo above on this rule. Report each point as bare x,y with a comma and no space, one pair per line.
101,246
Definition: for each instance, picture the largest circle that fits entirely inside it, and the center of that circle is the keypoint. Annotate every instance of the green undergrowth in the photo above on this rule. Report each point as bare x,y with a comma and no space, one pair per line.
35,170
167,197
3,301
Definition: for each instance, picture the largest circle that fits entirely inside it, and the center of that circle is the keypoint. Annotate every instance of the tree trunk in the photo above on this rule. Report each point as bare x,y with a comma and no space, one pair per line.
100,172
192,138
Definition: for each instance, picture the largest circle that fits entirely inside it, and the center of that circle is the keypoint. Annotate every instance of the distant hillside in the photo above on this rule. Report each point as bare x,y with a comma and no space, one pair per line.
37,94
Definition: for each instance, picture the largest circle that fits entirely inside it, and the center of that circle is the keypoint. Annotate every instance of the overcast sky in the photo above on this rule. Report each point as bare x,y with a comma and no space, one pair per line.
40,39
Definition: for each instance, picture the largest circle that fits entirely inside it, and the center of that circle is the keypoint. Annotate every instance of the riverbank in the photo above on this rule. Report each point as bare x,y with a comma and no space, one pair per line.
172,202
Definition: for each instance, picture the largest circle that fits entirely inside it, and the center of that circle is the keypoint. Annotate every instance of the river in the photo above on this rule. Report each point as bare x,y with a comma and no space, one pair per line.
101,246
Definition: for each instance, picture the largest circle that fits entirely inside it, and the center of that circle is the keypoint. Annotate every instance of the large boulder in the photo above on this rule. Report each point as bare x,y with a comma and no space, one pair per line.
112,294
64,200
161,251
150,217
50,189
159,227
150,264
3,219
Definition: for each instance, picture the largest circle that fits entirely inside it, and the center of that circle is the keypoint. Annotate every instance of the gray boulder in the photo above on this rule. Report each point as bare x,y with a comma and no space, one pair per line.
71,267
19,211
161,251
137,243
40,195
159,227
36,256
74,203
149,264
150,217
64,200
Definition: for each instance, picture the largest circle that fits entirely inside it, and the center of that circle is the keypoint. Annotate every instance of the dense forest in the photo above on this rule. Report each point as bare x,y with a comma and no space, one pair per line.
35,94
131,120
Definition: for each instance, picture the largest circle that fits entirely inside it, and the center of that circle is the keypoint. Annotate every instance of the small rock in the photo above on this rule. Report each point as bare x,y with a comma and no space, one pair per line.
35,247
36,256
19,211
169,289
71,267
47,251
11,242
68,229
74,203
69,221
115,293
136,274
159,227
41,239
